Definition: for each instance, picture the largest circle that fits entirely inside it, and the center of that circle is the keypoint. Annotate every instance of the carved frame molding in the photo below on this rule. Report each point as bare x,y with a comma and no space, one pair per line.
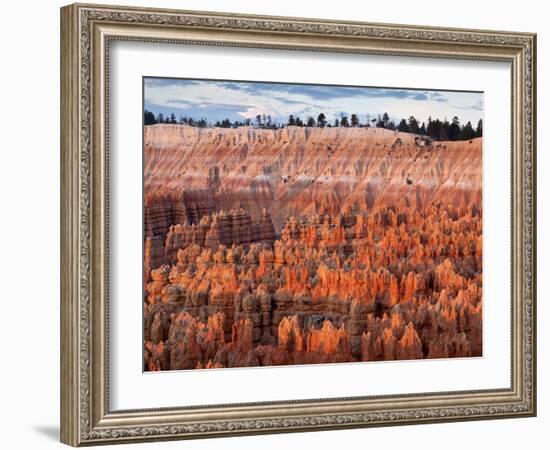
86,31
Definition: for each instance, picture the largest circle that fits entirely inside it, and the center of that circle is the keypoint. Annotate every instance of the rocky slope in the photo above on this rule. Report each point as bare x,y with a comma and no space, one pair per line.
298,171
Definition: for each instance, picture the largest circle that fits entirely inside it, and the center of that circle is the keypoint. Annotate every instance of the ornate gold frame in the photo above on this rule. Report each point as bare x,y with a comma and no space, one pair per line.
86,31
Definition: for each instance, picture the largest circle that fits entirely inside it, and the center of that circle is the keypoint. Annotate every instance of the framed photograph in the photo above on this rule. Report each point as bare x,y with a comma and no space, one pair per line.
280,224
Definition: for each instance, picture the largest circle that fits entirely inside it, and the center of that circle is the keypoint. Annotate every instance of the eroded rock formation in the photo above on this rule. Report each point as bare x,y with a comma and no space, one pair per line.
298,246
299,171
363,291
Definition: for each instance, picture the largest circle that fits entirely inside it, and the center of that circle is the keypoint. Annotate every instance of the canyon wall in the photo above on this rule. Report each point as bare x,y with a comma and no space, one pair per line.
299,171
309,245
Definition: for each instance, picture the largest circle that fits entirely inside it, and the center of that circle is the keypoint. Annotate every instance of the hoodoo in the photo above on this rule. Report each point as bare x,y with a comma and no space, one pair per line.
303,245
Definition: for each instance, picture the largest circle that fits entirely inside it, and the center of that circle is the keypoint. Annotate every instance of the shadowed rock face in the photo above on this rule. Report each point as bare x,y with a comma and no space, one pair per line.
300,246
223,228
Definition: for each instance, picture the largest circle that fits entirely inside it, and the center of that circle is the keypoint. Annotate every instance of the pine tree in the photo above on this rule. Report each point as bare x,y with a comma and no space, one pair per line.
149,118
413,125
386,119
454,129
467,132
403,126
344,121
321,120
443,135
479,128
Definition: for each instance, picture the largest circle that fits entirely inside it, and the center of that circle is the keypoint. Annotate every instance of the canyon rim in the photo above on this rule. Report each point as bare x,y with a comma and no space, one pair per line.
293,224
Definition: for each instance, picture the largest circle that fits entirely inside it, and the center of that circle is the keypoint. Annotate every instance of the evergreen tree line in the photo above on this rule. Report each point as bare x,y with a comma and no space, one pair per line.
150,119
435,129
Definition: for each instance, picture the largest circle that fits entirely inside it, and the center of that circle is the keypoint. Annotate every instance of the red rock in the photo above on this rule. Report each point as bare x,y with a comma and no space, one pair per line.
290,335
410,346
342,262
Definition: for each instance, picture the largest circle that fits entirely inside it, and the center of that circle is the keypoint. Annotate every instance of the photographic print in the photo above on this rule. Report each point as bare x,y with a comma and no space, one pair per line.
289,224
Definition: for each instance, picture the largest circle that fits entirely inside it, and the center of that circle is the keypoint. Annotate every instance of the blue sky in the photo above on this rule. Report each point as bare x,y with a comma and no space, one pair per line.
236,100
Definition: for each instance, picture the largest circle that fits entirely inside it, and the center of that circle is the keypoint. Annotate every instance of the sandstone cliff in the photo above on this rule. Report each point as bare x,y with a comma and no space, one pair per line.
299,171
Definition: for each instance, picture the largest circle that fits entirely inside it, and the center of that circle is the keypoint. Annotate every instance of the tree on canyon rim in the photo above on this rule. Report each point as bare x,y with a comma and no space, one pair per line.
479,129
467,132
385,119
149,118
413,125
436,129
403,126
344,121
454,129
